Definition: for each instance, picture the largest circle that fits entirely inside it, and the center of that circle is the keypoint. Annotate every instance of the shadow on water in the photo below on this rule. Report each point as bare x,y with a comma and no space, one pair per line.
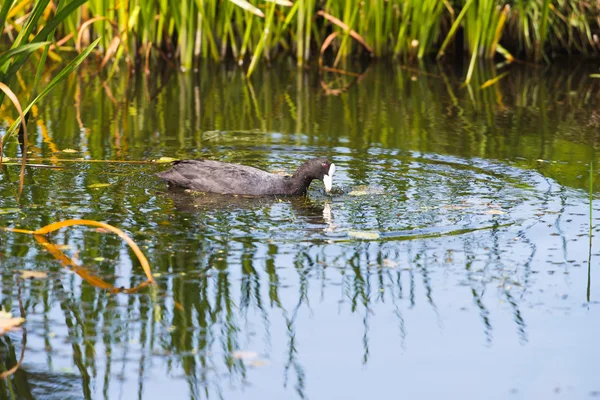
458,234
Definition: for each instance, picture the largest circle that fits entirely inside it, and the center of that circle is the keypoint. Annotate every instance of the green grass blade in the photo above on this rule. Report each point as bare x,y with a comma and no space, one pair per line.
57,19
543,28
56,80
454,27
27,48
4,12
31,22
43,34
263,40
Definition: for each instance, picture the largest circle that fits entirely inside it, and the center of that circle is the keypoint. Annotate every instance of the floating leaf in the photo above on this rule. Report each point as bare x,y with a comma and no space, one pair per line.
33,274
99,185
165,160
364,235
494,212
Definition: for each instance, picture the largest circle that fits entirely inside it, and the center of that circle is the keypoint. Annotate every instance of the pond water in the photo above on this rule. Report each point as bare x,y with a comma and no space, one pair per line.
455,257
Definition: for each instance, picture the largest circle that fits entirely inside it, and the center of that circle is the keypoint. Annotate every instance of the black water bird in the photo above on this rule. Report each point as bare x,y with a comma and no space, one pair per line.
227,178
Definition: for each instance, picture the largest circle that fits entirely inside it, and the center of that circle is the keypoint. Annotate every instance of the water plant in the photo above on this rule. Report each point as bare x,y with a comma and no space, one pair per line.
144,32
34,34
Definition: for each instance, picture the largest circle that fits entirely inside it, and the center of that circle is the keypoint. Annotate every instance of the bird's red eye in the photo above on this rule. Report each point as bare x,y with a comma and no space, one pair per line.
324,165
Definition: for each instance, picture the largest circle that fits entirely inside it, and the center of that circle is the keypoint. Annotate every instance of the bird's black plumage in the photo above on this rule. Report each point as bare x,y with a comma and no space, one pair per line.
228,178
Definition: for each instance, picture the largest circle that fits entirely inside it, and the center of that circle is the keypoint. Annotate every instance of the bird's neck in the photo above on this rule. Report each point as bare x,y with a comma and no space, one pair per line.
299,182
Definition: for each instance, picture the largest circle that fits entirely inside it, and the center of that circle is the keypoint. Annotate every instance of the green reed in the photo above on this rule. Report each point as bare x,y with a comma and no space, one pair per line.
30,39
252,31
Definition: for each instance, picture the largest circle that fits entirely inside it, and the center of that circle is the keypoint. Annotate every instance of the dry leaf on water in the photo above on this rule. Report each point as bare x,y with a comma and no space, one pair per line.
364,235
98,185
33,275
494,212
165,160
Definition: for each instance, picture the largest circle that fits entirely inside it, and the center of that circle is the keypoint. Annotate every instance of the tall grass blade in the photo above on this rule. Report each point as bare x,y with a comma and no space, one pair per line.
543,28
55,81
40,37
4,12
31,22
13,98
454,27
263,40
26,48
11,95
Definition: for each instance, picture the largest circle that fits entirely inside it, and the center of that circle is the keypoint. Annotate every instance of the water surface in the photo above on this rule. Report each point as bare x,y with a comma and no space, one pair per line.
455,257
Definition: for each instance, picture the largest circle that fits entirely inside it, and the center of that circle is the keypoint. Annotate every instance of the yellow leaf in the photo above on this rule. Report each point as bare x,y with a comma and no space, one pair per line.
98,185
33,274
70,151
165,160
8,322
494,212
389,263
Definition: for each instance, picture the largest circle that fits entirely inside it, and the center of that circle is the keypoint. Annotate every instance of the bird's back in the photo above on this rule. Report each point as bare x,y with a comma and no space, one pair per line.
221,177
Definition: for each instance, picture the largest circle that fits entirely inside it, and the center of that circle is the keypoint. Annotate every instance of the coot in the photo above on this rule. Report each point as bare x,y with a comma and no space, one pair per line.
228,178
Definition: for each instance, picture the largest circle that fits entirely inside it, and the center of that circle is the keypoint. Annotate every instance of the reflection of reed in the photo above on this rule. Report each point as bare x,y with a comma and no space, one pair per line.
225,274
231,278
529,114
